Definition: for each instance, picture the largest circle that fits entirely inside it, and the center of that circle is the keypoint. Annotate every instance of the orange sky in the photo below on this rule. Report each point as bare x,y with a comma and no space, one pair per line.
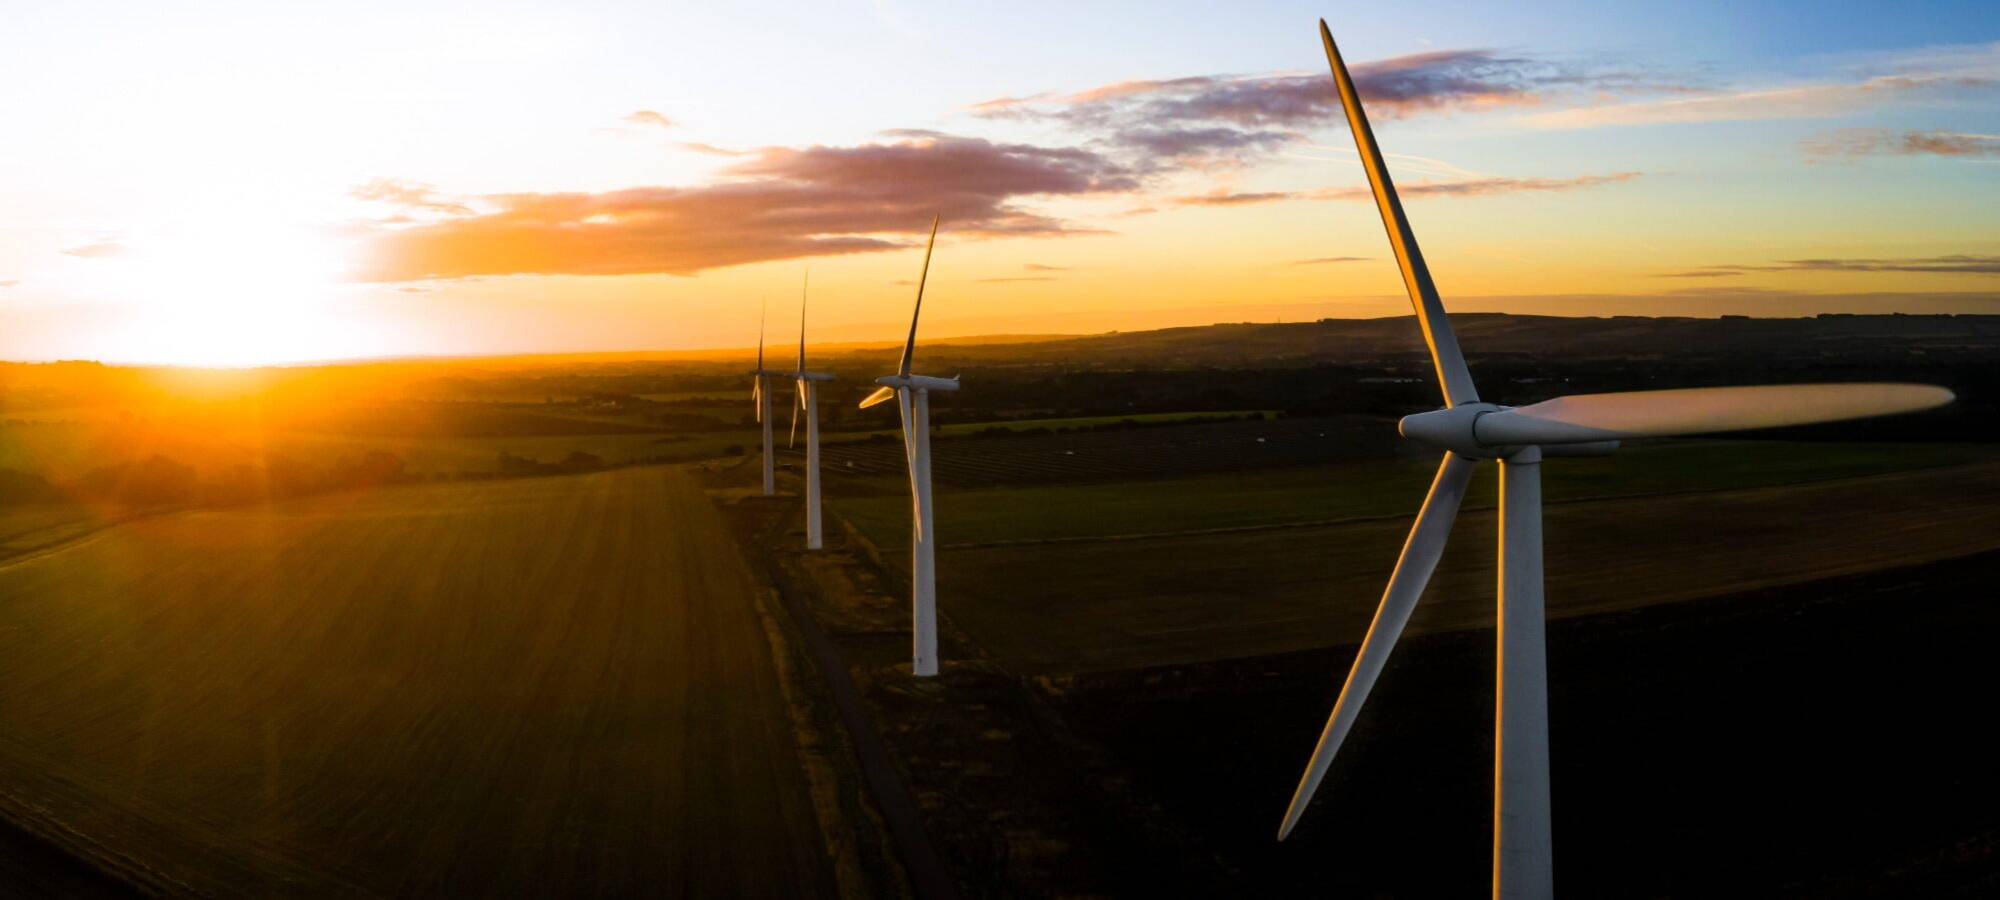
225,184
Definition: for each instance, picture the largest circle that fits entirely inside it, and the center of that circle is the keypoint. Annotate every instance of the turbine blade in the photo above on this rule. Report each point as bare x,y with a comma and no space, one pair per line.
1453,377
1413,570
881,393
907,413
798,403
1605,417
757,397
762,311
910,346
803,284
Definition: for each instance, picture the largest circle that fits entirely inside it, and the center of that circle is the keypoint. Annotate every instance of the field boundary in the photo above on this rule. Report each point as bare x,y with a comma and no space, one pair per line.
815,756
928,878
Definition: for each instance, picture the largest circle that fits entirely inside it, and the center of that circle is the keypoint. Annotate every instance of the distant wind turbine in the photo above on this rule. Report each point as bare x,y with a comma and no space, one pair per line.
913,397
760,397
808,400
1467,430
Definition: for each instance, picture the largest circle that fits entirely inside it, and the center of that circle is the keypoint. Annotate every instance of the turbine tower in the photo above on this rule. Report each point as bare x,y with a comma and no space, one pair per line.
913,397
760,397
808,400
1467,430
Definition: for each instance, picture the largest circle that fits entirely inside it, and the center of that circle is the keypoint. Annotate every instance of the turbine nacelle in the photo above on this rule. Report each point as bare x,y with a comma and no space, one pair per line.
809,376
917,383
1456,430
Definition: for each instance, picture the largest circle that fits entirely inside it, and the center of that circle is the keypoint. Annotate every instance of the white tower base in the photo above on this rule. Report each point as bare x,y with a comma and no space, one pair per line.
923,548
1523,855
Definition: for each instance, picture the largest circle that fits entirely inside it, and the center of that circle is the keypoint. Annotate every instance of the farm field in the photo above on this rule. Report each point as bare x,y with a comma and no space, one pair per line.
1097,605
534,686
1749,719
67,449
1360,488
1124,454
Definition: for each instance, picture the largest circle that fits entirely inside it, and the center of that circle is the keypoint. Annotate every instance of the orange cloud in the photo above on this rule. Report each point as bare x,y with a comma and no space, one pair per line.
1851,142
409,195
98,250
649,117
1957,264
778,203
1469,187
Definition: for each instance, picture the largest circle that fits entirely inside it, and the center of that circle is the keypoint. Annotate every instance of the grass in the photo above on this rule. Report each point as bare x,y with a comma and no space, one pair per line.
1363,488
1097,605
65,451
533,687
958,428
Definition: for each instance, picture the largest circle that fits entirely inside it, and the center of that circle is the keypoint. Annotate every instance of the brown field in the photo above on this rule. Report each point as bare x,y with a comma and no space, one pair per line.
554,685
1104,605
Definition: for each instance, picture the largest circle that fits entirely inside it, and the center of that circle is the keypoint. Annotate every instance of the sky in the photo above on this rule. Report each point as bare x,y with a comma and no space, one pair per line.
244,183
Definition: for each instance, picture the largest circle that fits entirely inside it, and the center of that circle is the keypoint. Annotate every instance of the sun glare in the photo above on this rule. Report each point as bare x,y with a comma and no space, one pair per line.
225,296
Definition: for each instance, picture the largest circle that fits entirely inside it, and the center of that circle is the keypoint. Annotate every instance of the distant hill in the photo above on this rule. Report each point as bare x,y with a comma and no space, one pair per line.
1491,336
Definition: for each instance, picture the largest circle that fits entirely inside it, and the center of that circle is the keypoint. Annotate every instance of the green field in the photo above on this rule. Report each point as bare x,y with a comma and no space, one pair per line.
1129,574
1361,489
66,450
529,687
1094,605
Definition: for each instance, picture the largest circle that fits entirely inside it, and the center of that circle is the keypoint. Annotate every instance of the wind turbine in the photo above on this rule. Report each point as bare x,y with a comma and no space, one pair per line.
1467,430
913,397
808,399
761,399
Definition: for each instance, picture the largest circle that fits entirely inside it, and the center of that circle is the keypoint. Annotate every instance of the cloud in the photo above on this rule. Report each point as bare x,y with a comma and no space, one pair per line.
1727,291
1477,187
1698,273
1206,119
711,149
1221,197
648,117
1467,187
1957,264
1038,267
1435,81
10,282
409,195
1803,101
1329,259
1852,142
1194,145
777,203
1026,278
98,250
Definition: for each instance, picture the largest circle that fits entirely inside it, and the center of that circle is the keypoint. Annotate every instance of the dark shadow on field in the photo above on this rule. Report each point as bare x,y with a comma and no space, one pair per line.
1824,739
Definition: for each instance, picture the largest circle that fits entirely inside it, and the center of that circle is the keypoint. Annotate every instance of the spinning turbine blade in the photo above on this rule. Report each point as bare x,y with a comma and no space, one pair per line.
798,403
757,397
1601,417
1413,570
803,284
881,393
910,346
1453,377
762,310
